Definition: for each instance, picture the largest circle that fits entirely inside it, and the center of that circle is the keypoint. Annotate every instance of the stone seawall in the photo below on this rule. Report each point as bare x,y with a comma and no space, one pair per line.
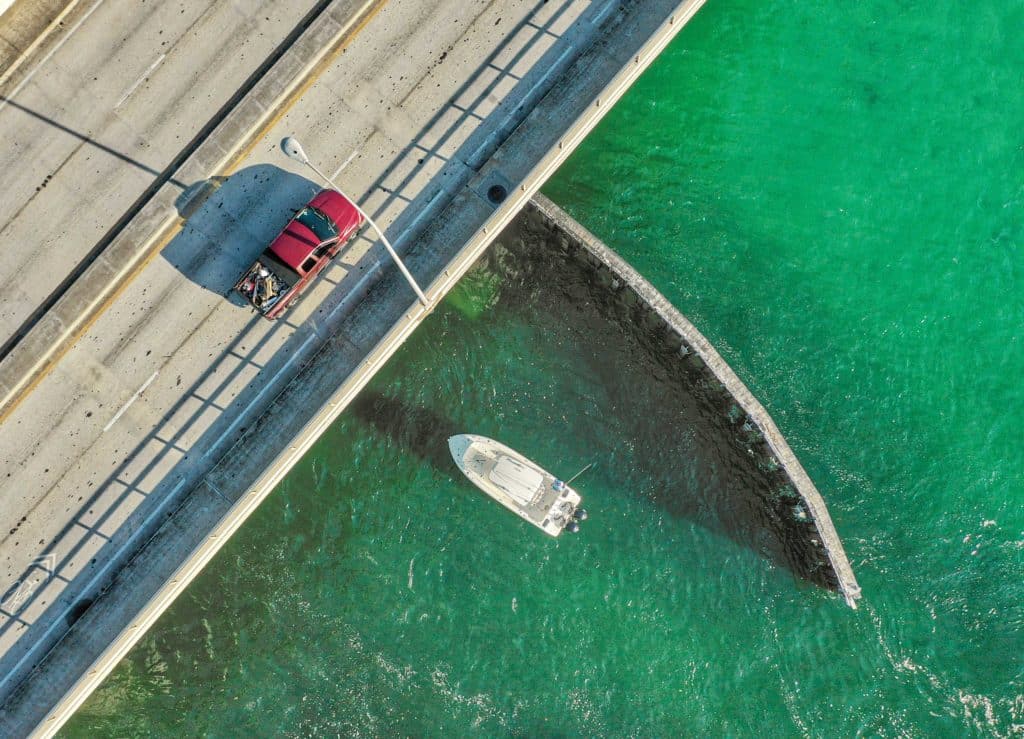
792,520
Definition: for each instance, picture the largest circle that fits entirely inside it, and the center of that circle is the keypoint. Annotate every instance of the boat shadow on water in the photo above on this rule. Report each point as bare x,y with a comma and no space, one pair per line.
421,430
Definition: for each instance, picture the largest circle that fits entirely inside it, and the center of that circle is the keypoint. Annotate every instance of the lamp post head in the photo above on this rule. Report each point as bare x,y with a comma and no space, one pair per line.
293,149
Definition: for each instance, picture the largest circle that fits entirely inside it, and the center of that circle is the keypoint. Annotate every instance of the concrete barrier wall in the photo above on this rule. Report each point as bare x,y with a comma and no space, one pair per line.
790,499
25,26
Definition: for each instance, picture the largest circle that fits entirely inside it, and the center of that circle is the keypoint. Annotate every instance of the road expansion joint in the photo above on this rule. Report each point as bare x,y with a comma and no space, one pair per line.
216,490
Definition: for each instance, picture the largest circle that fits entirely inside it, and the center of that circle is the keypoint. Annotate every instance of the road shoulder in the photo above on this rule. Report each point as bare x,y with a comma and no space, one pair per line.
25,25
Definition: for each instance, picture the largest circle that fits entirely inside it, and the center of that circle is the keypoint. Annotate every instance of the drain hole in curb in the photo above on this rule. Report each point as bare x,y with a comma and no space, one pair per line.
78,610
496,193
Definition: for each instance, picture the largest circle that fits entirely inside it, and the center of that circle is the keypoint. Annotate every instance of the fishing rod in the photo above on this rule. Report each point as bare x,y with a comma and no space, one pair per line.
569,481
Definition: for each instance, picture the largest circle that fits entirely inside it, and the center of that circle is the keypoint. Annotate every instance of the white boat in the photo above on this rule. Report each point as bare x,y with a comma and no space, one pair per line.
517,483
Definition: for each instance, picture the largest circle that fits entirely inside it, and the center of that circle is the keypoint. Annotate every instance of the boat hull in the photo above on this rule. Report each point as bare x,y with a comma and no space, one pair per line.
526,489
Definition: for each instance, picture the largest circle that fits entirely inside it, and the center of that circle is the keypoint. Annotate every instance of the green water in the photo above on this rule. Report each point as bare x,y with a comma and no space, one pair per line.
834,194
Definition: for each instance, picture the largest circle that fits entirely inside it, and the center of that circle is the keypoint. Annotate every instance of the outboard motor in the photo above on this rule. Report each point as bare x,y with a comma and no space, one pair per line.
580,514
572,527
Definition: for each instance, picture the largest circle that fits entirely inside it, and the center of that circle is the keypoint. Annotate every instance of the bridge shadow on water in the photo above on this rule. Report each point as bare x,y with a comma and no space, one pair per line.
681,442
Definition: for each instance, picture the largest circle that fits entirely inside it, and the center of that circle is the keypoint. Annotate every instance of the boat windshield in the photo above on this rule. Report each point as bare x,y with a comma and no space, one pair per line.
317,222
516,479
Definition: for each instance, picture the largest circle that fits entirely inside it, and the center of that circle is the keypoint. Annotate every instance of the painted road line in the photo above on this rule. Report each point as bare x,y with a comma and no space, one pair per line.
61,620
259,396
603,14
140,80
345,163
131,400
309,74
163,234
50,53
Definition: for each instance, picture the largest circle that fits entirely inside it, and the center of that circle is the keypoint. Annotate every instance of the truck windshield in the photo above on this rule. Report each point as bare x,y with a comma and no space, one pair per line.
318,223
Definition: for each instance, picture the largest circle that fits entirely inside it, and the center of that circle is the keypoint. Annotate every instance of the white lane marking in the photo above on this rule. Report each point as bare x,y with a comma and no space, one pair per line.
131,400
91,585
345,163
603,14
139,81
259,396
50,53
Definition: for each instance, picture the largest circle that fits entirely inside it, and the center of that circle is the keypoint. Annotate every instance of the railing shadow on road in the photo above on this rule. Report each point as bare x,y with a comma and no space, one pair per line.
198,258
130,482
9,342
85,139
220,206
476,93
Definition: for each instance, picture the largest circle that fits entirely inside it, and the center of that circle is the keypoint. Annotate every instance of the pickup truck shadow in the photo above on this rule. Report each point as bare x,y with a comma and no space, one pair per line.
247,210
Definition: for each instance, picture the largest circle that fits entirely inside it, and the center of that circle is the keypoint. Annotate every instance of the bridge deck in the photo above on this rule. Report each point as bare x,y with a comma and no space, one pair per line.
148,430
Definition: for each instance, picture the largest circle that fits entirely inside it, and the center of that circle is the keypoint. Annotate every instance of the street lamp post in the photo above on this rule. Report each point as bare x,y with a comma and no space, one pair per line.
292,148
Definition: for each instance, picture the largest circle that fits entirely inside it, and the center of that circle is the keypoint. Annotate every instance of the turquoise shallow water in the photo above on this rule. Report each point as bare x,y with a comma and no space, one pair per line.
835,196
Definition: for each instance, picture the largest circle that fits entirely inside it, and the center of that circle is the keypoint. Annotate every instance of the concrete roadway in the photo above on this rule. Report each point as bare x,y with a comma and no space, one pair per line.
172,374
109,104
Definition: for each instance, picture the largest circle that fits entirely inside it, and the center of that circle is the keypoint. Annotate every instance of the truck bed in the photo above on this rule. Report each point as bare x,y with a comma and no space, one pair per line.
263,286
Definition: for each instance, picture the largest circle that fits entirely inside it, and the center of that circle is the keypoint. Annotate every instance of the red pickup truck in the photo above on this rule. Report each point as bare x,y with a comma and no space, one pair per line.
311,239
